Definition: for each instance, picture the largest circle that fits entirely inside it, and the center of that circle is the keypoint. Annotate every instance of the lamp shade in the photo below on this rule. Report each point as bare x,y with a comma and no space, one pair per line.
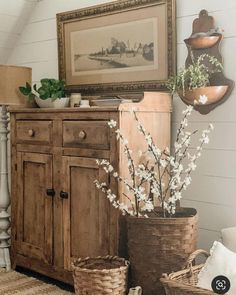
11,77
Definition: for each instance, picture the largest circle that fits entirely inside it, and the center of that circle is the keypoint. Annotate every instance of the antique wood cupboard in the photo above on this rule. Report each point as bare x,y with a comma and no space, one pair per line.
57,213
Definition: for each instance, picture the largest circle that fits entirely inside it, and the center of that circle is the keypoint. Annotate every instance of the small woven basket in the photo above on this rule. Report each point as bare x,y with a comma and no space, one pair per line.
184,282
100,275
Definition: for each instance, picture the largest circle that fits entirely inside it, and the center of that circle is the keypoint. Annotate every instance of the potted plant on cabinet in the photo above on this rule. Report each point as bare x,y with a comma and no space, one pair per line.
193,83
50,94
160,238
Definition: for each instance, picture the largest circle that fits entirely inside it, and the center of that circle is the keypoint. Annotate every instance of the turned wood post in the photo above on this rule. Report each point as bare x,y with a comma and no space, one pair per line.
4,193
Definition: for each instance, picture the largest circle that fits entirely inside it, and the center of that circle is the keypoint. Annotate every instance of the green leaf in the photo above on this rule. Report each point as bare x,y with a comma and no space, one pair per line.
60,94
45,82
25,91
28,86
43,93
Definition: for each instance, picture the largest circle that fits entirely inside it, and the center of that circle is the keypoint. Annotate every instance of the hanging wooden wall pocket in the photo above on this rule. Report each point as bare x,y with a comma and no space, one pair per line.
206,39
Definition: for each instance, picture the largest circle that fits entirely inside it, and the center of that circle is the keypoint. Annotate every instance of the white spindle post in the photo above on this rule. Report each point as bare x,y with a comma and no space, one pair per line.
4,193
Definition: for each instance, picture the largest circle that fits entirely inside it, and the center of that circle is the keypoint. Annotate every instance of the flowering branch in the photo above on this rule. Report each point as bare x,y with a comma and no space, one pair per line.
161,180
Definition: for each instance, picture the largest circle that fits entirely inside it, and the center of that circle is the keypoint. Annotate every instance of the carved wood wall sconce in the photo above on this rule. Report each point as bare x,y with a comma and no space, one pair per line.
221,87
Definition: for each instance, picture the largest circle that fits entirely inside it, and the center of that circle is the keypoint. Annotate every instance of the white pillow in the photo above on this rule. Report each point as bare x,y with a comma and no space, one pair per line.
229,238
222,262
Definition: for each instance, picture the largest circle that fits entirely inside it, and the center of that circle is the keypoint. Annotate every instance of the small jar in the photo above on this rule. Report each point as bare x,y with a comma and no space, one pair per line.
75,99
84,103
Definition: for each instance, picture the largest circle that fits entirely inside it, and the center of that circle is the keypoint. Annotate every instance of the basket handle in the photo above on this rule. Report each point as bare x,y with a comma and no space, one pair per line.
192,257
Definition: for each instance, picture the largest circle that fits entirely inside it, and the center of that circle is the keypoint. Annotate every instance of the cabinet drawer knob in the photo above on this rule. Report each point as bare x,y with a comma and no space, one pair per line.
31,132
82,134
50,192
64,195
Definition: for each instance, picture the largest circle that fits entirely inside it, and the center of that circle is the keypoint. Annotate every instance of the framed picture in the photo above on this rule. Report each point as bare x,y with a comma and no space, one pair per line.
122,46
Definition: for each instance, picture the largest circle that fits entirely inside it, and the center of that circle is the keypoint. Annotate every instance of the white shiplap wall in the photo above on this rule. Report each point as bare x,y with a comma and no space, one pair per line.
213,191
14,14
37,46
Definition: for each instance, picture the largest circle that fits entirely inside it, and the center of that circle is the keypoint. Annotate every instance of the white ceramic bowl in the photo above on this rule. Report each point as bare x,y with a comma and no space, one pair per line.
59,103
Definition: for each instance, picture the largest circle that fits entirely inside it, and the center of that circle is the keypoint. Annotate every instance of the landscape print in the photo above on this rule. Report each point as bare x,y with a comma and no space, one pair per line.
127,47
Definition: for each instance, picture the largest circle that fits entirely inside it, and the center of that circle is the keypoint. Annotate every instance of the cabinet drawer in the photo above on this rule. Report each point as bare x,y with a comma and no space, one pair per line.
86,134
34,131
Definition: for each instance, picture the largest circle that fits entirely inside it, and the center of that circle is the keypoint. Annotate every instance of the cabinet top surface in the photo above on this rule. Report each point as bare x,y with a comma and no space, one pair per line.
63,110
151,102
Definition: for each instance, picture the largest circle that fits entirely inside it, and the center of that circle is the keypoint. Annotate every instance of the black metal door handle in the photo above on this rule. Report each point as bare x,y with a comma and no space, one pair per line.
64,195
50,192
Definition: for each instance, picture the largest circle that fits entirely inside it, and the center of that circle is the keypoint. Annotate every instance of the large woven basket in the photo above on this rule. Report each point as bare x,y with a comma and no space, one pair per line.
100,275
184,282
160,245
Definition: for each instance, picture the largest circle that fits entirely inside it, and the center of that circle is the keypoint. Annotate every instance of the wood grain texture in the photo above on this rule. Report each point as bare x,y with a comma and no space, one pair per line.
34,132
83,223
85,212
87,134
34,210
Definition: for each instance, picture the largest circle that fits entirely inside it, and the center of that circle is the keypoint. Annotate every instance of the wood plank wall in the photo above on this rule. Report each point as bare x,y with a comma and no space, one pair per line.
14,14
213,191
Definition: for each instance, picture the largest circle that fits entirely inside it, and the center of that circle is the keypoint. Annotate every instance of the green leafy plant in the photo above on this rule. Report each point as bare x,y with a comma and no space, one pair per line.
50,88
196,75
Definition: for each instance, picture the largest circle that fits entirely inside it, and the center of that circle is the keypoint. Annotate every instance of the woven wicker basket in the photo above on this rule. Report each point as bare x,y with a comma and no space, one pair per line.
160,245
100,275
184,282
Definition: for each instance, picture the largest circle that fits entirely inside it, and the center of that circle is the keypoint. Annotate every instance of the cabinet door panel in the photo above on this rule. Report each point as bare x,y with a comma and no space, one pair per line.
85,212
34,207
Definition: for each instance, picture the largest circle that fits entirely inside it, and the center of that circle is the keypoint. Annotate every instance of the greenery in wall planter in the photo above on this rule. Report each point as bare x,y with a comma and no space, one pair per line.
51,93
193,82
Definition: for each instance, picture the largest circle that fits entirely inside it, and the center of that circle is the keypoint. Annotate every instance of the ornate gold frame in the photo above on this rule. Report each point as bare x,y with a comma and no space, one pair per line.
107,9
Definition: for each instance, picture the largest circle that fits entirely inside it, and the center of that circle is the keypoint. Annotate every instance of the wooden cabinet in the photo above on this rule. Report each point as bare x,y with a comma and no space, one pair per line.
57,213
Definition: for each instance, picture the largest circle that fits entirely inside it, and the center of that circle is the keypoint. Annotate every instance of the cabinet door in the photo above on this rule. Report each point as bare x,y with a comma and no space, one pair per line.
85,211
34,207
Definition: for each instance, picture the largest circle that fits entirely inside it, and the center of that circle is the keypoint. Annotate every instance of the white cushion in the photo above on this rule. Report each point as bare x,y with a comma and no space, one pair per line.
229,238
222,262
